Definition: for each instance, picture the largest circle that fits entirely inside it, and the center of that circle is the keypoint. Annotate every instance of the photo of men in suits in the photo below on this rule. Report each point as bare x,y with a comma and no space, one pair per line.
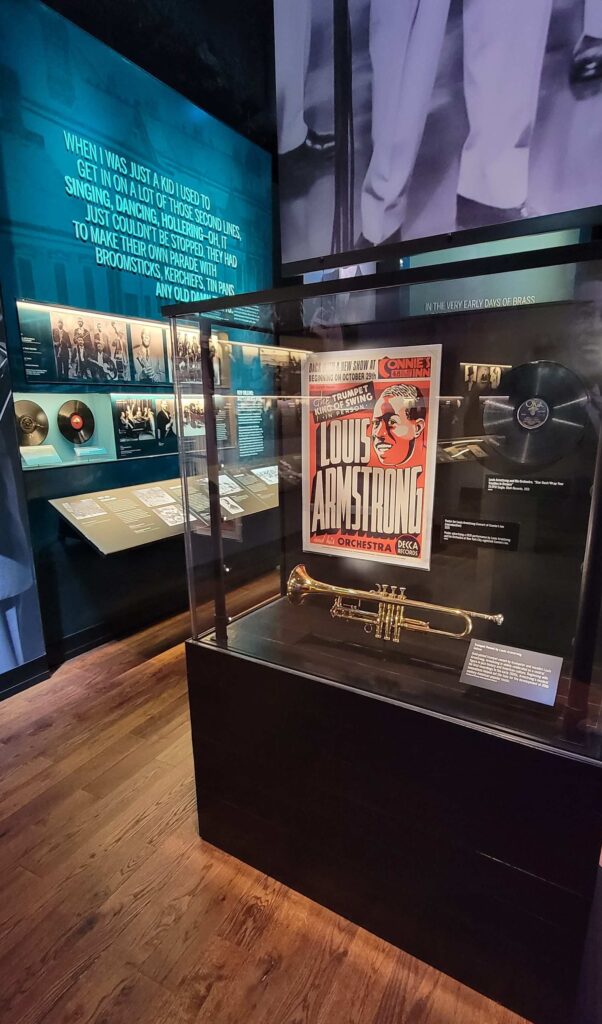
149,354
82,344
62,349
501,107
102,347
145,425
464,114
119,350
165,421
89,347
189,354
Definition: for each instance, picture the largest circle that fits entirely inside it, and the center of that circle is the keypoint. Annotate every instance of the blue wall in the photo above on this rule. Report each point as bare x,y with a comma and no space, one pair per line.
56,82
75,116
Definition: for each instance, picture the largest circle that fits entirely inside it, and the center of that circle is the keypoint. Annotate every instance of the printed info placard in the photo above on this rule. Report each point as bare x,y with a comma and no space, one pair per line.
369,453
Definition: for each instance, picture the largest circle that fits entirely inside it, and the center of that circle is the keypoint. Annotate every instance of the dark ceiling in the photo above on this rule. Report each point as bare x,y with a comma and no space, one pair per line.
218,53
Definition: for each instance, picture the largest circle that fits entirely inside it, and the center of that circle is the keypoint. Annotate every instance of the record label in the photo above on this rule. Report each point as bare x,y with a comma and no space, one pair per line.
533,413
75,422
541,418
32,423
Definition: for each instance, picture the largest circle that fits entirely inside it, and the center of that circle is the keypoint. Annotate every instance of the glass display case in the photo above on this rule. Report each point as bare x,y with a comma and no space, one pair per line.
432,449
398,714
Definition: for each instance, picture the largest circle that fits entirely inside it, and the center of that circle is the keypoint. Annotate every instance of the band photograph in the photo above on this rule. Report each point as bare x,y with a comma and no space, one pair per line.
188,354
144,425
193,416
89,347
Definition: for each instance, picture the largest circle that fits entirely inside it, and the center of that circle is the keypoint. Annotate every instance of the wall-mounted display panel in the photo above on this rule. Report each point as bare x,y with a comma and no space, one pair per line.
63,428
117,193
76,346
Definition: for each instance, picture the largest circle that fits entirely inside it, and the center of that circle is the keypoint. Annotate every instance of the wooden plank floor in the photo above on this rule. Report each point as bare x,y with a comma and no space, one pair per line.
112,910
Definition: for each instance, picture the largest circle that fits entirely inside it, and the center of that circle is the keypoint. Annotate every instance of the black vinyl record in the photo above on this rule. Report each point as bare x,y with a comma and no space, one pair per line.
32,423
541,416
76,422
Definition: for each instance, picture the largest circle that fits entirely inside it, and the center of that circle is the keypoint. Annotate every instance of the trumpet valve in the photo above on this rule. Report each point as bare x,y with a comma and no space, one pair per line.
397,625
389,621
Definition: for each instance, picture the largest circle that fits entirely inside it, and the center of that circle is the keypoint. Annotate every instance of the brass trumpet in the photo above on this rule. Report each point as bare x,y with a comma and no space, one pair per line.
389,618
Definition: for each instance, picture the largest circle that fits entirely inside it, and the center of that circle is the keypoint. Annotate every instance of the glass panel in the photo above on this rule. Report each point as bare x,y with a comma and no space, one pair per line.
330,420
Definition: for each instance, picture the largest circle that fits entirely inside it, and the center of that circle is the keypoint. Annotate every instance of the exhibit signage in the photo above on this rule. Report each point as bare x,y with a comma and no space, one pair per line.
512,671
119,195
117,519
482,532
369,453
524,485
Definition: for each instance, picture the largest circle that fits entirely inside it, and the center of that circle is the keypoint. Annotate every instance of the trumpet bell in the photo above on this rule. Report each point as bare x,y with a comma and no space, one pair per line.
299,585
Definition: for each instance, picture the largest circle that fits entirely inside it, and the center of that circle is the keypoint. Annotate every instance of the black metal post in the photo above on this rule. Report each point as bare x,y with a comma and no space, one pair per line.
221,614
282,517
588,613
344,165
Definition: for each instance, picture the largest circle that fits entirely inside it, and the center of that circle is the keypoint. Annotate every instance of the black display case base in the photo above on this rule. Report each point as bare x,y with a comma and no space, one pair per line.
471,851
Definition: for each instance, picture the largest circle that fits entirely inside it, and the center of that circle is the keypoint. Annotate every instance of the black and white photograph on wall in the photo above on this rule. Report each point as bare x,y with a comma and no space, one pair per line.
62,344
193,422
193,416
144,425
284,367
220,353
487,376
165,424
478,382
21,638
217,362
89,347
450,115
189,353
148,350
119,350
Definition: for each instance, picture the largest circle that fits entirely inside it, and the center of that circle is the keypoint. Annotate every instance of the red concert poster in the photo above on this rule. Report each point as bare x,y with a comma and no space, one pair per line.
369,453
